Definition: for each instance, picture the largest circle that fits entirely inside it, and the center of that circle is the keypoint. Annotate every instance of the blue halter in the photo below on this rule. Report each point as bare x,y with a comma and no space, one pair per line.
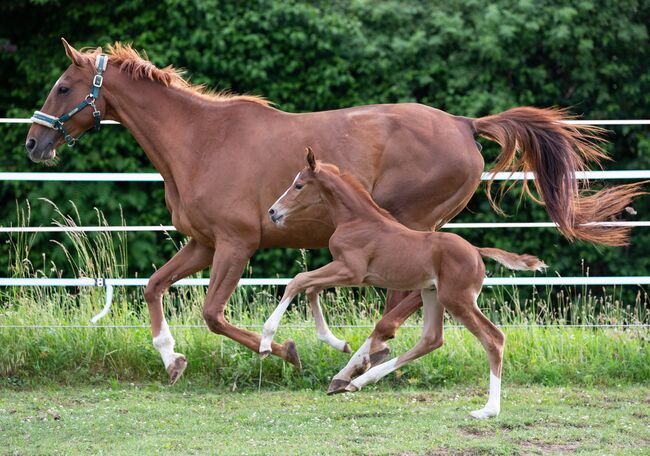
56,123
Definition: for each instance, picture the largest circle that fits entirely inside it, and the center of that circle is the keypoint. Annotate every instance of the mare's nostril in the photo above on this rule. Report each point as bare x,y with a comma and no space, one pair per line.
30,145
271,211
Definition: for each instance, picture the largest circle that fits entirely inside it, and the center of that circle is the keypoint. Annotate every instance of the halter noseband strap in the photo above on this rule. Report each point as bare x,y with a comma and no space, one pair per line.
56,123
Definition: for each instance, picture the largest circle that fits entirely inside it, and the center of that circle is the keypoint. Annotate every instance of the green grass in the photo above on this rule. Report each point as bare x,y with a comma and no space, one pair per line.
134,419
535,353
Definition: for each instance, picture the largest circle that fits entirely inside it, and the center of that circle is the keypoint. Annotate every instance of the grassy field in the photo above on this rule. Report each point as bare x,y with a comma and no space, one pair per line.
135,419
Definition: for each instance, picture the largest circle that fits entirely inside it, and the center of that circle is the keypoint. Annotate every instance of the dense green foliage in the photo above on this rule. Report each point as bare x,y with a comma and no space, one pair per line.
465,57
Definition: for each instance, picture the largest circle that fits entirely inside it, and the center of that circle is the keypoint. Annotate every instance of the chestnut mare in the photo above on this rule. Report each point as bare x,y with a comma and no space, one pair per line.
226,158
370,247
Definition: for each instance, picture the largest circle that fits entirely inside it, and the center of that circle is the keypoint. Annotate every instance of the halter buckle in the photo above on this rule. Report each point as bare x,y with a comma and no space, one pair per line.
98,80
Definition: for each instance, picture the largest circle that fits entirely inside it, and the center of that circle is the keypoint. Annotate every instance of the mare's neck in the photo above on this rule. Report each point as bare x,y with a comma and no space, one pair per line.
161,119
344,202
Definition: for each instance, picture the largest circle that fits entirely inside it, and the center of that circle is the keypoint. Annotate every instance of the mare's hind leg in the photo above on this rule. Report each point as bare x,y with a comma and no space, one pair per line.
191,258
324,333
375,349
492,339
432,338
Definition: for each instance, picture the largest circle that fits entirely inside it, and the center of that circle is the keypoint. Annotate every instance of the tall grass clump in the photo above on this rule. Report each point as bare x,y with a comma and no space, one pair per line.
45,334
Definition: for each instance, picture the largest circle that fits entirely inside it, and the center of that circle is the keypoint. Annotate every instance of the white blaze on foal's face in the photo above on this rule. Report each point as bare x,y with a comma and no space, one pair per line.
301,194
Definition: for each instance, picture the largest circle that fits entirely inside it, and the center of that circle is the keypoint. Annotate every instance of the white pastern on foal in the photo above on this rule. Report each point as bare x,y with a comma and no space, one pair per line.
357,362
324,333
493,406
373,375
164,343
271,326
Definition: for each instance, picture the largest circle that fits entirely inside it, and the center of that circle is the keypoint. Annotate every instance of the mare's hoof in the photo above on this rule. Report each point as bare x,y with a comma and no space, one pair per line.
378,357
347,348
265,353
176,369
337,386
292,354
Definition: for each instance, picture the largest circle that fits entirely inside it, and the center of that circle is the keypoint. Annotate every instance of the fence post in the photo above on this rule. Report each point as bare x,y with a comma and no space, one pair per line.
109,299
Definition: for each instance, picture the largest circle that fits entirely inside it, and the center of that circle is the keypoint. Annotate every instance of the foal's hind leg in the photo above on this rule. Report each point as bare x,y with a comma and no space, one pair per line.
323,331
432,338
375,349
493,340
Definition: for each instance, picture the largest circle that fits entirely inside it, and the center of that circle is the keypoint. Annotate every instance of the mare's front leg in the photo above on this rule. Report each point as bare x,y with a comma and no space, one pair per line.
335,273
192,258
227,266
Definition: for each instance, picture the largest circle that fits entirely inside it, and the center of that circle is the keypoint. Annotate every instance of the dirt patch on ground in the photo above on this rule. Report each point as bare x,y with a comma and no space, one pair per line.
549,448
446,452
473,431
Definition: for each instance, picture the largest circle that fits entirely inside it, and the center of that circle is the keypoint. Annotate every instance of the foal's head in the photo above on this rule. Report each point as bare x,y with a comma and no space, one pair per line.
303,192
70,89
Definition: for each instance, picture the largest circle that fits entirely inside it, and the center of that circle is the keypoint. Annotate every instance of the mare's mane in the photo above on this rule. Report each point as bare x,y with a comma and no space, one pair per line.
355,185
140,67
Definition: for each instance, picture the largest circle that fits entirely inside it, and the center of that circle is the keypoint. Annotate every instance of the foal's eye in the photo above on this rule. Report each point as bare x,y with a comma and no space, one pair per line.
299,186
63,90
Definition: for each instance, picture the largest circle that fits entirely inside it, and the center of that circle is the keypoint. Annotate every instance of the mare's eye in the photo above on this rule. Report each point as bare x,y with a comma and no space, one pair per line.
63,90
299,186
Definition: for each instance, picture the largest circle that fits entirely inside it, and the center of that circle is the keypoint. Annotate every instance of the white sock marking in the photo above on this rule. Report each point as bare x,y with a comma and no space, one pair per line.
373,375
360,357
493,406
323,331
164,343
271,325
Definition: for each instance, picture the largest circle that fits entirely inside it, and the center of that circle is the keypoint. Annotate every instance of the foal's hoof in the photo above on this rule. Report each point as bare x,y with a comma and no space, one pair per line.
176,369
292,354
351,388
378,357
347,348
337,386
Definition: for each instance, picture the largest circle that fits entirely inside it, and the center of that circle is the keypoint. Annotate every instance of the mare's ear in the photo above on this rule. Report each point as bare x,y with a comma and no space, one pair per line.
75,56
311,160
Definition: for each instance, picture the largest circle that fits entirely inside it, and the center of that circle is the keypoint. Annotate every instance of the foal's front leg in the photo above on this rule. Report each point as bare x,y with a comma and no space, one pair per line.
335,273
323,331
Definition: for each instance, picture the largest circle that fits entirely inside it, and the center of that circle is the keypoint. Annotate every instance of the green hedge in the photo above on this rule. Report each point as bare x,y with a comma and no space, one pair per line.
465,57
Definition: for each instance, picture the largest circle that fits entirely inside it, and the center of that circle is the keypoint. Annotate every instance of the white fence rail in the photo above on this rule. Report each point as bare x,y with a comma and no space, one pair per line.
155,177
109,284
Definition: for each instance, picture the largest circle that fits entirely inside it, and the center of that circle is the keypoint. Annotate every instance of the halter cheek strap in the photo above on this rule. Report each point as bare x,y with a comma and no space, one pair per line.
56,123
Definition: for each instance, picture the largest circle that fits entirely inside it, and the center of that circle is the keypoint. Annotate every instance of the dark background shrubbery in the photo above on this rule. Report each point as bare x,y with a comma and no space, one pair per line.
465,57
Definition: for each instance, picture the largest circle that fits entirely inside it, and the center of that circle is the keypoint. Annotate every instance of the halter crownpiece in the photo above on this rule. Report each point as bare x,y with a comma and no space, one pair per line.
56,123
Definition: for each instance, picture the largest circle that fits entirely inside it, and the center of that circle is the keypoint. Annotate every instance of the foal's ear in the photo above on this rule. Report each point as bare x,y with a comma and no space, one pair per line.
311,160
72,53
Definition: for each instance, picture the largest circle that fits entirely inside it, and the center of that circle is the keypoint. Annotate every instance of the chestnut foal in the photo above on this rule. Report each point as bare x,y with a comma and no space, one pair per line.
370,247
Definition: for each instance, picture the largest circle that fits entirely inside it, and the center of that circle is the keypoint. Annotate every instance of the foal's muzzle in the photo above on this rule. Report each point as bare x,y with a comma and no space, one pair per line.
276,215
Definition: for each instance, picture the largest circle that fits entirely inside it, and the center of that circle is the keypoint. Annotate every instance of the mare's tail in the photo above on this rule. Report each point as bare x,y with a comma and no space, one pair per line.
513,260
554,150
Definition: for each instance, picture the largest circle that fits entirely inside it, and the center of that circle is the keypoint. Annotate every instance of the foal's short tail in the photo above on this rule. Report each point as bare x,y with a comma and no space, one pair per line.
554,150
513,260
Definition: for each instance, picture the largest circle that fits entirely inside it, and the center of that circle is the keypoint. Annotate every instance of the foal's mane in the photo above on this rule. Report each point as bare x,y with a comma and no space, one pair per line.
355,185
140,67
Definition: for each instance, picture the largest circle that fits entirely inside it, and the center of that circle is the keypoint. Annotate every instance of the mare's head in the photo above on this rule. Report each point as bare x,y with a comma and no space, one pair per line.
304,191
74,86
